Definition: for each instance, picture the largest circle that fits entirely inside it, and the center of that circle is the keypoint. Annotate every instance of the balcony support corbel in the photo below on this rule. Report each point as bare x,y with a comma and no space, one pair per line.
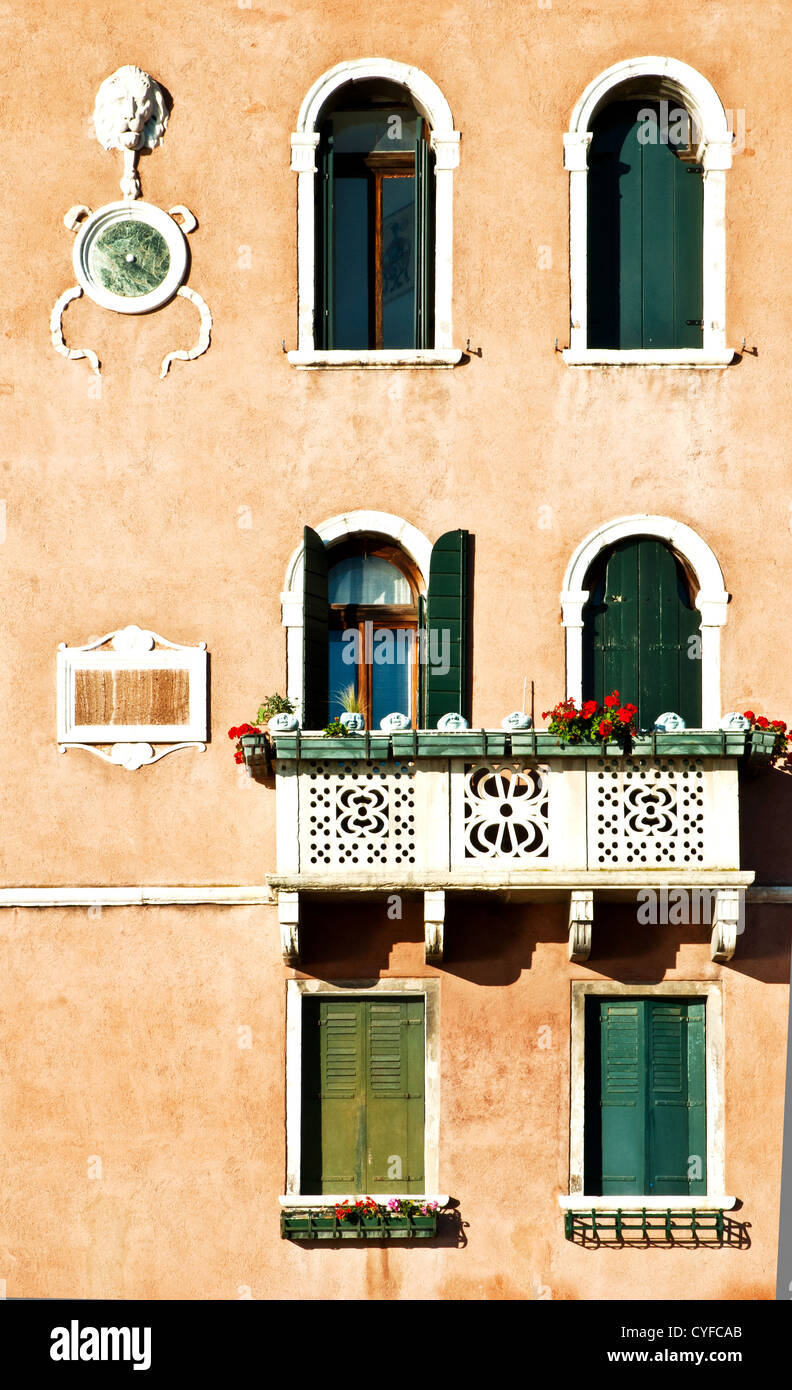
727,923
434,924
581,923
289,922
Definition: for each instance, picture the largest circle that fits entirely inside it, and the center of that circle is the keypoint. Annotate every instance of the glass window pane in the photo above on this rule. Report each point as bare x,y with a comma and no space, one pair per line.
342,667
390,673
367,579
351,261
398,262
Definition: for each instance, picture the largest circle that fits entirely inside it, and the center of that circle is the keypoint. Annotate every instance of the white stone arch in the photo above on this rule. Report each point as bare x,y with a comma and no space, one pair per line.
393,528
677,81
445,143
712,598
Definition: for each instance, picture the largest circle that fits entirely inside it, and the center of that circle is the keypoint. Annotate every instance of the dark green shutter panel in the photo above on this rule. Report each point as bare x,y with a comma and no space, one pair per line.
645,235
424,240
447,628
315,632
637,627
646,1127
668,1132
622,1097
697,1093
395,1099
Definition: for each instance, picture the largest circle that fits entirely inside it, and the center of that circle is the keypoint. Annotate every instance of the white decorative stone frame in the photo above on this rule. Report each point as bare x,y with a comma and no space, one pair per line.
131,649
412,541
677,81
296,991
712,599
711,992
445,144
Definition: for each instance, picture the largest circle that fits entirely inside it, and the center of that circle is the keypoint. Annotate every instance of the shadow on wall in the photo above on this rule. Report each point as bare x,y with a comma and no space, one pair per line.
490,942
765,818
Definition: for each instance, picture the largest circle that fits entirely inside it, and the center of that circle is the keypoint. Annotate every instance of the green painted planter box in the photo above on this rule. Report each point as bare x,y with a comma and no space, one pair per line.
308,1225
404,742
497,744
466,743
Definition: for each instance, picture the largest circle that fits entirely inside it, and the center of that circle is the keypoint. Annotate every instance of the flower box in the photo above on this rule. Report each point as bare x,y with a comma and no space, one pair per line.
466,743
386,1225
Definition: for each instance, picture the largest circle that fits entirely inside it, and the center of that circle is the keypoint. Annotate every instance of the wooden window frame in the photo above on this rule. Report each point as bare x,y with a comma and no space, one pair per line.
346,616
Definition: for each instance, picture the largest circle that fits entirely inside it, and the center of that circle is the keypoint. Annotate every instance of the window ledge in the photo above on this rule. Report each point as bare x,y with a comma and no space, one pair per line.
648,357
580,1202
331,1198
370,359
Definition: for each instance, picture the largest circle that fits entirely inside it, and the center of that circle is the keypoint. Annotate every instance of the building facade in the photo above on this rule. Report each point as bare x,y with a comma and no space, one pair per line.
454,375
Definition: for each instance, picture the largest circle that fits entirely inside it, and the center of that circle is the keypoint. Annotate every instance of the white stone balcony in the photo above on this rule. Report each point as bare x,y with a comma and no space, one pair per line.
518,816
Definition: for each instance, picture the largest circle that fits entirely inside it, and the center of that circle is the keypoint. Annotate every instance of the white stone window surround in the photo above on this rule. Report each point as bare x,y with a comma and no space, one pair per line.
296,991
712,599
445,144
385,524
711,991
679,82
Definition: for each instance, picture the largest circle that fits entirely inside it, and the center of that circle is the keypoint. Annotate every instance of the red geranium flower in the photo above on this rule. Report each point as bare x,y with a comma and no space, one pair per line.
611,700
761,722
605,728
589,709
625,715
749,714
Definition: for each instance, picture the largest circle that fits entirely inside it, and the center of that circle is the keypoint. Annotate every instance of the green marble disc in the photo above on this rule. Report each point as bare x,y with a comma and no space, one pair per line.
130,258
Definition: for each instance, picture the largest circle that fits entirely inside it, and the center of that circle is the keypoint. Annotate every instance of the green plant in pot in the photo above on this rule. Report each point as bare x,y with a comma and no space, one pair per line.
351,710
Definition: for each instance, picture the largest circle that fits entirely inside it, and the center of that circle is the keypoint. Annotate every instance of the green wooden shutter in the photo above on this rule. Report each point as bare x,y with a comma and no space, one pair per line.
343,1088
395,1097
447,628
645,235
315,632
424,240
697,1093
363,1096
622,1096
645,1097
676,1130
637,628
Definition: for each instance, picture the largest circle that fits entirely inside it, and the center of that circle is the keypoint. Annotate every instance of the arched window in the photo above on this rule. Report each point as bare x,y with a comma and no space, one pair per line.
641,631
372,604
647,153
375,208
375,150
373,592
643,604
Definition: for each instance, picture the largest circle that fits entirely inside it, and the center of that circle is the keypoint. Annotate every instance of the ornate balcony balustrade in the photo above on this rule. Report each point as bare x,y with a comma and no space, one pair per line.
519,813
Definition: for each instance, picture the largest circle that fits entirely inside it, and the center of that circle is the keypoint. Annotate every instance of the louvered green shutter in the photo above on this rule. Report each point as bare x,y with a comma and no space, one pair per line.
395,1100
447,629
645,1115
315,632
676,1119
424,240
637,628
622,1098
363,1096
645,235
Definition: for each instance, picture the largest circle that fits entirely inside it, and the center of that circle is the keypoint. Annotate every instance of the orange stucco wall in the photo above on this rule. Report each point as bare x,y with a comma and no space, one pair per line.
147,1149
176,505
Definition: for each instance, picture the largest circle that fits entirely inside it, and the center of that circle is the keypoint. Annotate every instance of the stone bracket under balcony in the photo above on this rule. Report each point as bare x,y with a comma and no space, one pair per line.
721,905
